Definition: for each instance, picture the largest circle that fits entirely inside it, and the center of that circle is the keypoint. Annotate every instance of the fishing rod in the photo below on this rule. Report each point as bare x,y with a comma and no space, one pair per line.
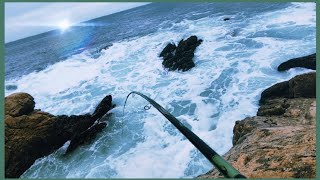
222,165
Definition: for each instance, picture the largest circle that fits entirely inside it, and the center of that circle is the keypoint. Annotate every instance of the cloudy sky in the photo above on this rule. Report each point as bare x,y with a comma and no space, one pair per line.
27,19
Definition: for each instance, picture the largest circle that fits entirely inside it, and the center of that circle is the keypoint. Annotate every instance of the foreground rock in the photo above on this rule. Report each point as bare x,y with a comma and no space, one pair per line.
103,107
278,143
85,137
31,134
300,86
308,62
180,57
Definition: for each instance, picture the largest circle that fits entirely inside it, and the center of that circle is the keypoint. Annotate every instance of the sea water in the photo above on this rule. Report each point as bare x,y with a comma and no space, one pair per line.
70,72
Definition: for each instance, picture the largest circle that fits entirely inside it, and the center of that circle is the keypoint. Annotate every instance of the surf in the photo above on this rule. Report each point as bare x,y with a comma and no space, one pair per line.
235,62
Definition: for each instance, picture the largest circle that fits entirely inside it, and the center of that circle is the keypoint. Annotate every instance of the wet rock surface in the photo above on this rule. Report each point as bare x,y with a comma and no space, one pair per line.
31,134
180,57
85,137
300,86
280,142
103,107
308,62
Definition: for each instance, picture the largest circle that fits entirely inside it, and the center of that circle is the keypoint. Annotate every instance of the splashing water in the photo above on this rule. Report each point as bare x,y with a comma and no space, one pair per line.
236,61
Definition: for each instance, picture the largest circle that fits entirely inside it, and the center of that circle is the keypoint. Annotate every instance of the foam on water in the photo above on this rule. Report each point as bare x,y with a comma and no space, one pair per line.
235,63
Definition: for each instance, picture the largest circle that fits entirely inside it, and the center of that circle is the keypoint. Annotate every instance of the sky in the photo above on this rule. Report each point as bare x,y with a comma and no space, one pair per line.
28,19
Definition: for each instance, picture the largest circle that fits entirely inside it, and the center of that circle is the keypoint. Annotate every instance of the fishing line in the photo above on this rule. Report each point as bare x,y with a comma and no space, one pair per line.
222,165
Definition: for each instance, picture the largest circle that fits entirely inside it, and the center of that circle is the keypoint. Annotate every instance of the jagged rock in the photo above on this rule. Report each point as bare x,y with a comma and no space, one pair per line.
31,134
18,104
244,127
275,147
308,62
86,136
273,107
169,49
103,107
300,86
303,86
294,113
281,141
180,57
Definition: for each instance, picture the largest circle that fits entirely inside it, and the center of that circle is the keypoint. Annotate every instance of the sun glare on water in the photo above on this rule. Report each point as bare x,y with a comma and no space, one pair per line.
63,25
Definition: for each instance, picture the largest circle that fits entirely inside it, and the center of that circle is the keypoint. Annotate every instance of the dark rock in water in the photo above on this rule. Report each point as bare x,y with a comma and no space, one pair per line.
180,57
85,137
168,49
300,86
103,107
226,19
11,87
308,62
31,134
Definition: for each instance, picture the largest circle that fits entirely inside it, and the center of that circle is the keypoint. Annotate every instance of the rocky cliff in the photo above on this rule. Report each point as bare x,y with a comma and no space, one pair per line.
280,142
31,134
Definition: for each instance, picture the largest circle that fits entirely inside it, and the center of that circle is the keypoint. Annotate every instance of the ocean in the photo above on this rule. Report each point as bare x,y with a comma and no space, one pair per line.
69,72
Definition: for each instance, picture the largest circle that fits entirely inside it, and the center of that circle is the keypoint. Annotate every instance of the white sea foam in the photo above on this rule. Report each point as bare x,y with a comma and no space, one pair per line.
224,86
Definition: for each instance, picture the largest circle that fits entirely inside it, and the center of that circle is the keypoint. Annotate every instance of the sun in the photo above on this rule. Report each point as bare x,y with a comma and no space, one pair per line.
63,25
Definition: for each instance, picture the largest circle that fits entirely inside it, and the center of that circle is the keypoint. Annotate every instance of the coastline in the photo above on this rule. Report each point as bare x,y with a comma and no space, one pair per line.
31,133
280,141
